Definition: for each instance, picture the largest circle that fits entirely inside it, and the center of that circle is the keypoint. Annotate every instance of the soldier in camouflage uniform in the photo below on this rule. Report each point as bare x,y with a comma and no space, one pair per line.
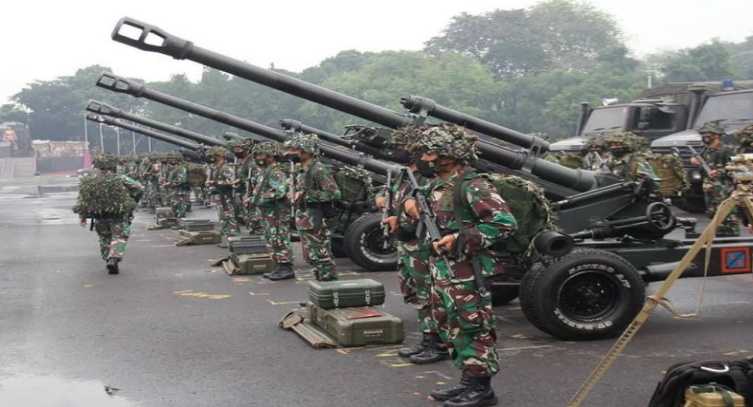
316,192
244,172
472,217
220,184
413,254
717,185
177,181
269,198
112,229
744,138
627,161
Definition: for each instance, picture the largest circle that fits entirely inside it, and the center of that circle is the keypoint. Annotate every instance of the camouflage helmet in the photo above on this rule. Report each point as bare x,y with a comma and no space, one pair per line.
216,151
744,136
269,148
449,140
628,141
307,142
105,162
712,127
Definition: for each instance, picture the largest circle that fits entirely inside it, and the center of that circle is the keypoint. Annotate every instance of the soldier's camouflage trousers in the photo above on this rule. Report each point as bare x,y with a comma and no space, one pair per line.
181,202
252,218
226,215
317,250
715,193
415,282
276,224
201,195
113,237
153,194
464,318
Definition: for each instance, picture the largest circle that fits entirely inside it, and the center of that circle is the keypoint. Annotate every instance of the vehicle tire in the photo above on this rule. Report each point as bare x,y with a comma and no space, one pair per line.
526,297
504,294
364,243
588,294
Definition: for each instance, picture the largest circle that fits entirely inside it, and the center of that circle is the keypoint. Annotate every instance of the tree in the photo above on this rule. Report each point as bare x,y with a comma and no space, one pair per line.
554,34
11,112
706,62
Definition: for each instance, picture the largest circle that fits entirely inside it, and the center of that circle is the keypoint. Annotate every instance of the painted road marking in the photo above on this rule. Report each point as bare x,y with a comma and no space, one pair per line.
202,295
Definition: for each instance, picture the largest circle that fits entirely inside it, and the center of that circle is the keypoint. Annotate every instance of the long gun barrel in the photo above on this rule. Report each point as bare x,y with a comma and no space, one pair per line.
136,89
425,106
107,110
146,132
154,39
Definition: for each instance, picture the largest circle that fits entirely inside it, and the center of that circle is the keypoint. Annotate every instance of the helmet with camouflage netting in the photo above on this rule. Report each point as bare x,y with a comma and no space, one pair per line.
268,148
451,141
309,143
105,162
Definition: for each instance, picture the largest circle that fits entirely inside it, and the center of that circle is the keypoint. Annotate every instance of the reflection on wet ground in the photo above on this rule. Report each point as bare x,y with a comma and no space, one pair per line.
47,391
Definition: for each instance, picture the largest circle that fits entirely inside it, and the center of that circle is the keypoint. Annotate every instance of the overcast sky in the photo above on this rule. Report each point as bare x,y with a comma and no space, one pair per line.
45,39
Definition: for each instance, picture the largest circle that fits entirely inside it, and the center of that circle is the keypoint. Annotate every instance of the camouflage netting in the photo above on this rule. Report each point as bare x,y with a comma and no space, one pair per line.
103,196
450,141
630,141
307,142
268,148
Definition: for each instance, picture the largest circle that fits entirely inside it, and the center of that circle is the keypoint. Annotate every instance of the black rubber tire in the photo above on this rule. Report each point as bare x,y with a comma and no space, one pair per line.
504,294
526,297
356,236
587,295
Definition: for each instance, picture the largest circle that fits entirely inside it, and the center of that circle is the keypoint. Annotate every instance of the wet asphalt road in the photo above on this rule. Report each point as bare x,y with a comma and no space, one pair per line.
171,331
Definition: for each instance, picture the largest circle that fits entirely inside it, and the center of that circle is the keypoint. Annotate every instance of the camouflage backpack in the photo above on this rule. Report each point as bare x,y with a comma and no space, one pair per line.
528,205
354,183
104,196
669,169
197,175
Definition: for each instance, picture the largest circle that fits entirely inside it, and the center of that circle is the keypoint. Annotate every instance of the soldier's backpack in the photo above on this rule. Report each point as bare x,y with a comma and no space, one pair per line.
104,196
734,375
528,205
197,175
354,183
669,168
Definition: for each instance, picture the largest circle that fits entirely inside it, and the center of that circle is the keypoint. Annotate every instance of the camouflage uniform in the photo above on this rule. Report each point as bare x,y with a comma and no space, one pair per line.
627,161
319,190
113,230
178,181
717,189
220,183
461,308
269,199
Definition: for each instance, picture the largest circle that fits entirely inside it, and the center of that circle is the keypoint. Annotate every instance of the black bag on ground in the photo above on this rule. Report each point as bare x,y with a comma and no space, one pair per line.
736,375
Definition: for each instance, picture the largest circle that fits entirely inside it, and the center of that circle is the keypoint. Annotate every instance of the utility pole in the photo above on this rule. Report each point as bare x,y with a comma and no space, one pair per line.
117,138
101,140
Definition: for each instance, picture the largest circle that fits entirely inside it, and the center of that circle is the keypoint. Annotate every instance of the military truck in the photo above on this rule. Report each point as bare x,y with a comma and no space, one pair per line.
733,106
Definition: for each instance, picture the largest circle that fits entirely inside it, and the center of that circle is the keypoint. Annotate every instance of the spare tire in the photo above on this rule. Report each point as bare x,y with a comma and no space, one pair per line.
588,294
364,242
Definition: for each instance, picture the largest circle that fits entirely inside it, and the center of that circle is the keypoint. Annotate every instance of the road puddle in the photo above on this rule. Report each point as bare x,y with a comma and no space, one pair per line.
47,391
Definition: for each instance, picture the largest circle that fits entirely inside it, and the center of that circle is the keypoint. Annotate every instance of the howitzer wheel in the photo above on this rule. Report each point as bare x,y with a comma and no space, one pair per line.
364,242
588,294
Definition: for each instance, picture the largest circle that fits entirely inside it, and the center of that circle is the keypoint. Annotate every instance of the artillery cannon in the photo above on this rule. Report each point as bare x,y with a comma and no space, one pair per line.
96,118
590,293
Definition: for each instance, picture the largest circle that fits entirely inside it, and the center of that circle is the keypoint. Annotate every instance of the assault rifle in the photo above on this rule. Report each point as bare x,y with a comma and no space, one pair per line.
706,168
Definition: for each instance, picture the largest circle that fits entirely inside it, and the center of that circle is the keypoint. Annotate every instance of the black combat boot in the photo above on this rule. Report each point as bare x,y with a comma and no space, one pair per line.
435,352
415,349
447,393
283,272
112,265
478,394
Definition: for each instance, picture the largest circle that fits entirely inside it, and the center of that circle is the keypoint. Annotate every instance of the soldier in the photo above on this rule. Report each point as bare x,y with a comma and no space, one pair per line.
413,256
744,137
316,192
269,199
220,185
472,217
112,220
717,185
627,161
244,171
178,183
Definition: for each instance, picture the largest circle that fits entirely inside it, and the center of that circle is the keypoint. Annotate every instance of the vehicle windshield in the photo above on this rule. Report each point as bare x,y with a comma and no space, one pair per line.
605,119
732,107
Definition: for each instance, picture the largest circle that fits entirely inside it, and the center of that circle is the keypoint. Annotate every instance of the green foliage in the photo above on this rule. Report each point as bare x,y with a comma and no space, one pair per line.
104,196
706,62
559,34
11,112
